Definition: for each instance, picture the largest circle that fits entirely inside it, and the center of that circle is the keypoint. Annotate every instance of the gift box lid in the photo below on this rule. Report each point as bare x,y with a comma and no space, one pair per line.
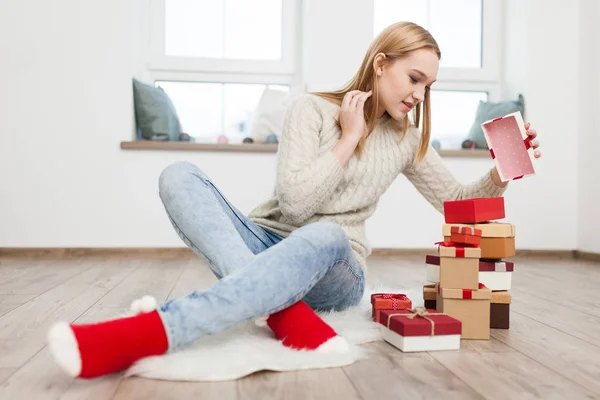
501,297
483,293
465,230
420,322
457,250
392,301
431,259
493,266
474,210
488,229
510,147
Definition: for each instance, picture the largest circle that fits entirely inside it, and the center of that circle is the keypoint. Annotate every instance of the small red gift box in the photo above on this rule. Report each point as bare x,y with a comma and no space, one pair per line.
465,235
465,230
420,329
472,211
388,301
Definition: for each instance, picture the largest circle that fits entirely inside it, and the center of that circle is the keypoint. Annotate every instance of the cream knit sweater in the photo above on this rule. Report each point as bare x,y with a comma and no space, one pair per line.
312,185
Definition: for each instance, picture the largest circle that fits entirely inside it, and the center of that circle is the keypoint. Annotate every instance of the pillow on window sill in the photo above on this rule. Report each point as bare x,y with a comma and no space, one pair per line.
490,110
269,114
155,114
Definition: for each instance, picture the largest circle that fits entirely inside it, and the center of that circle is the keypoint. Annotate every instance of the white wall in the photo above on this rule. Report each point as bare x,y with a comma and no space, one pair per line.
588,206
67,71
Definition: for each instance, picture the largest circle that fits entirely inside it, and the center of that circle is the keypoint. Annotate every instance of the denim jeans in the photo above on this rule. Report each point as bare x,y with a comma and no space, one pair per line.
259,272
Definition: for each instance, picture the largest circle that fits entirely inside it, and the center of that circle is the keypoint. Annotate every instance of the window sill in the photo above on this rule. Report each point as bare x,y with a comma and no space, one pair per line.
259,148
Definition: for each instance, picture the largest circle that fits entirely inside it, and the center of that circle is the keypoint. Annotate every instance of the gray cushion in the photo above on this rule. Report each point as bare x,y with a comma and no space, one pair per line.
488,110
155,114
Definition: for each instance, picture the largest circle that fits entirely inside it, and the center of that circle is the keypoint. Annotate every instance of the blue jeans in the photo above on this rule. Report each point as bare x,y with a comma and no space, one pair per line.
259,272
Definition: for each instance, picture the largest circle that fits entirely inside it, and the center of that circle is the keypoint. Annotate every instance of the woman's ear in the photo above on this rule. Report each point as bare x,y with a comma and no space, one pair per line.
378,62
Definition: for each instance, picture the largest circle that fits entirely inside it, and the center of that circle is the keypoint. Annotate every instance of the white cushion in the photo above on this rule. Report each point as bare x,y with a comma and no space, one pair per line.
269,114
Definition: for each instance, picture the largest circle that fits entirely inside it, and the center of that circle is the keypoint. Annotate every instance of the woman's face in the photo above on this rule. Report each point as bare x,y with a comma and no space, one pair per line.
402,82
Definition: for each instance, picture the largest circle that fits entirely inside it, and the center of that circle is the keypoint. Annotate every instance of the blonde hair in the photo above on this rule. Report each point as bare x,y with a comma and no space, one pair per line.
396,41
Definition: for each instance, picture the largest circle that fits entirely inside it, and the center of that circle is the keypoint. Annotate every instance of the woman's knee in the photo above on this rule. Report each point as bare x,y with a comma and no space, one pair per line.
176,174
325,236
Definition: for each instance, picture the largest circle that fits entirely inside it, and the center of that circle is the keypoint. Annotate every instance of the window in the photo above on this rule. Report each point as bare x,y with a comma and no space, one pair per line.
207,110
453,113
467,32
214,58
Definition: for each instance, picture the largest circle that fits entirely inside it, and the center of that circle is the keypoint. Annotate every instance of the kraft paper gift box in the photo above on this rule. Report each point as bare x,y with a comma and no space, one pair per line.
500,310
510,146
471,307
496,276
388,301
429,296
420,329
488,229
451,272
471,211
465,235
497,239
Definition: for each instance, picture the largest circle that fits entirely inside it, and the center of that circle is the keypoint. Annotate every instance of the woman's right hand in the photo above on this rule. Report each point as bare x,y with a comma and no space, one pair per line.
352,117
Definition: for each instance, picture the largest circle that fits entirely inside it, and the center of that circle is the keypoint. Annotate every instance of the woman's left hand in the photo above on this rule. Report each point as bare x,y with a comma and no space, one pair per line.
535,143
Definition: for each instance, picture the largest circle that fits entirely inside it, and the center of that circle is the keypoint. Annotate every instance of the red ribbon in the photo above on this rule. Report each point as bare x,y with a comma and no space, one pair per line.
460,247
468,293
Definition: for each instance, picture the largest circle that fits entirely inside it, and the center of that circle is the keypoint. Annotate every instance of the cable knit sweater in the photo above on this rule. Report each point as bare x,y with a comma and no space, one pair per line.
312,185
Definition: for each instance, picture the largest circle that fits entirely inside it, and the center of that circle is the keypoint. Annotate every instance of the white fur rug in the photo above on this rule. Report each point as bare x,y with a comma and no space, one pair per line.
247,348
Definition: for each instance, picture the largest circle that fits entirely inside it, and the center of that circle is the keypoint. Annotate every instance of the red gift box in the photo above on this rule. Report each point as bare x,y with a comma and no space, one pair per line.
473,211
465,230
465,235
388,301
420,322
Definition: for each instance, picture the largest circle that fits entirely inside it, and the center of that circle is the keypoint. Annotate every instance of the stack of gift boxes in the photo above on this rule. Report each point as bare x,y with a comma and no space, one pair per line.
470,280
470,283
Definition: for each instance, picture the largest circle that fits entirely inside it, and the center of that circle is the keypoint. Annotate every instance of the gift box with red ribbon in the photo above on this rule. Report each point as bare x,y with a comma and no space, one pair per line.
388,301
470,211
495,275
458,250
497,239
465,235
471,307
451,272
420,329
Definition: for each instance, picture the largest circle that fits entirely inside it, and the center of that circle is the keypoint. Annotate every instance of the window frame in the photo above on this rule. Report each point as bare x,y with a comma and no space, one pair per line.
200,69
487,78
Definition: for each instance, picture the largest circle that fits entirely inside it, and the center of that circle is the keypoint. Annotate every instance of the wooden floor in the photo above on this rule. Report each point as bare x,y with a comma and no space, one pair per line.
552,350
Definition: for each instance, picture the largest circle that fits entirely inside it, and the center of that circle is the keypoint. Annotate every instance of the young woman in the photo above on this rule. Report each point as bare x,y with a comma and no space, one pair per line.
304,249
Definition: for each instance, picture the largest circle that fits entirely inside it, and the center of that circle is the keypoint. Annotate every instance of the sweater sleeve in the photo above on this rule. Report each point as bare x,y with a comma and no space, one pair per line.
306,175
437,184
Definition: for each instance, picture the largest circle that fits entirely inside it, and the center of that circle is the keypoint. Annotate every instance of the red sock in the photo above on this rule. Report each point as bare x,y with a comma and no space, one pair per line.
93,350
300,328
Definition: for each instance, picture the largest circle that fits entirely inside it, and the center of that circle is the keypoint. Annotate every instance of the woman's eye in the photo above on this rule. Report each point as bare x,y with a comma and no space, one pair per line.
413,80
